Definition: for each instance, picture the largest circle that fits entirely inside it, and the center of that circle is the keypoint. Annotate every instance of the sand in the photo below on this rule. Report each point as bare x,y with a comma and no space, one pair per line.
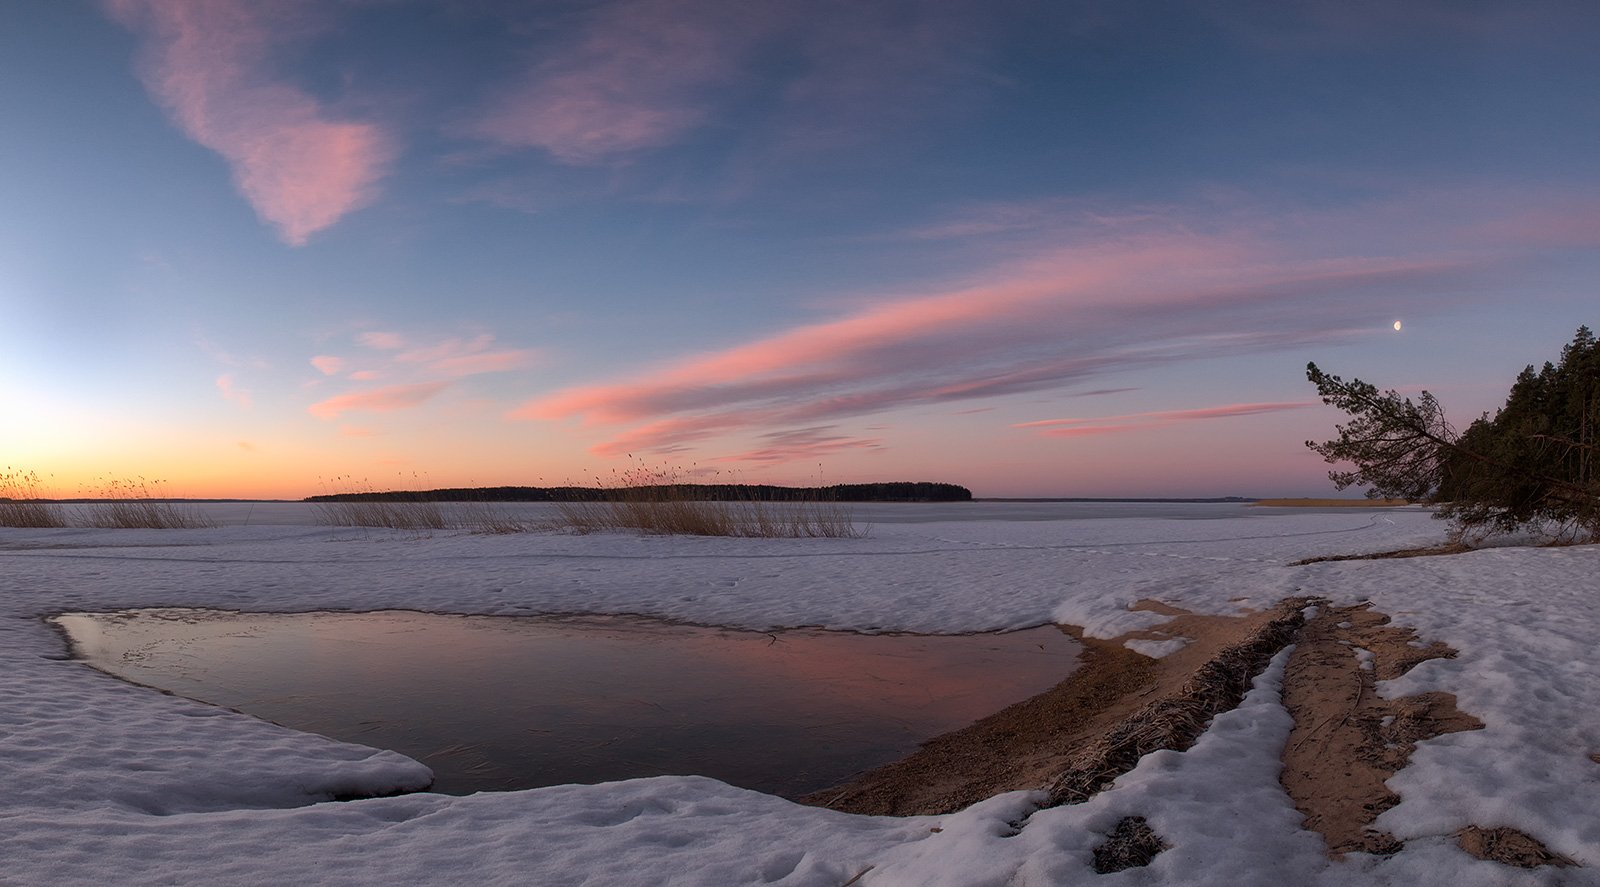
1076,738
1347,740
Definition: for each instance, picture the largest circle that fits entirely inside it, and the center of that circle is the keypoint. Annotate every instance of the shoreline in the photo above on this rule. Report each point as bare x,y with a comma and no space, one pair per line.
1075,739
1310,502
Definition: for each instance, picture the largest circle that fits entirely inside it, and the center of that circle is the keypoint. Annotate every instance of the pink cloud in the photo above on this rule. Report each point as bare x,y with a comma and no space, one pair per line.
643,74
435,366
819,353
447,349
467,357
1064,317
463,356
328,366
382,341
673,434
635,78
1571,221
231,391
1065,306
207,63
488,362
802,444
1158,419
1096,430
379,400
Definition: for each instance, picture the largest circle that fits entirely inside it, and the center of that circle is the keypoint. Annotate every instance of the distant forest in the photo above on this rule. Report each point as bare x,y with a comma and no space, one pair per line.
897,491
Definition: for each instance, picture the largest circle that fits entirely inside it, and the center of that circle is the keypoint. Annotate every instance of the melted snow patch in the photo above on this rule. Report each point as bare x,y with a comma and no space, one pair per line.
1156,649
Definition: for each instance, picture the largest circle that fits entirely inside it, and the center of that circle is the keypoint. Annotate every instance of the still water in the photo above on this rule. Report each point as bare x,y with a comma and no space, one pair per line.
498,703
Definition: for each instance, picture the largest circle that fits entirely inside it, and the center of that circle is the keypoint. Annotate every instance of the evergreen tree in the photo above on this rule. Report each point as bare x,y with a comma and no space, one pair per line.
1533,463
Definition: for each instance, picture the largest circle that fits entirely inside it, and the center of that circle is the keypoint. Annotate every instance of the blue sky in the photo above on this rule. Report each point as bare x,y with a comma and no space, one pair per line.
1034,248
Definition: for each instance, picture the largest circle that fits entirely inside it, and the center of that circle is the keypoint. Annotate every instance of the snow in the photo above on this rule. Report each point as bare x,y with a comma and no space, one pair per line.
1156,649
109,781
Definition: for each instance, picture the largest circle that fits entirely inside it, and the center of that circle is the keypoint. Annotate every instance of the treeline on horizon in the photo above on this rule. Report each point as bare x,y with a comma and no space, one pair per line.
894,491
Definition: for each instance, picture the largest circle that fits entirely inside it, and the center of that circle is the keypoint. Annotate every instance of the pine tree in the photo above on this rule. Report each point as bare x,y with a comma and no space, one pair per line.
1533,463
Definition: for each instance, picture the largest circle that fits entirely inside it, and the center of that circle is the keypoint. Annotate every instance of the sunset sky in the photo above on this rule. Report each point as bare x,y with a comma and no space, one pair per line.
1035,248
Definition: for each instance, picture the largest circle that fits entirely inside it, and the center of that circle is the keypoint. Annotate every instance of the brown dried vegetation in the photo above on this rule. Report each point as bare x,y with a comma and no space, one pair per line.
1131,844
1509,847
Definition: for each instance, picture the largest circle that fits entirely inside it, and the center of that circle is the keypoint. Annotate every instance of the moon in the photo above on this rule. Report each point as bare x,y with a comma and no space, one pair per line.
1397,326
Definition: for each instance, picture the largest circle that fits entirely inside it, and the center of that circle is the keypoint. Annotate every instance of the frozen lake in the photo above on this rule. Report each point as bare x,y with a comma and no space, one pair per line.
236,514
103,776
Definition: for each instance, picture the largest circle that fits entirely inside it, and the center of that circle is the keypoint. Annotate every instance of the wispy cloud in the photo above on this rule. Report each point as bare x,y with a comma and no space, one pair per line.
645,74
801,444
419,369
467,357
487,362
1064,304
231,390
328,365
226,357
377,400
382,340
1158,419
635,78
896,335
208,63
1058,319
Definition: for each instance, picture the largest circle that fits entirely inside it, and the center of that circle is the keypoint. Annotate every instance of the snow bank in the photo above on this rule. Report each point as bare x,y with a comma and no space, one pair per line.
104,777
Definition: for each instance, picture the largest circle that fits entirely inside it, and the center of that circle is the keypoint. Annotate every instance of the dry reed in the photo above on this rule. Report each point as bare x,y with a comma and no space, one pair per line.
368,508
22,506
137,504
488,519
657,501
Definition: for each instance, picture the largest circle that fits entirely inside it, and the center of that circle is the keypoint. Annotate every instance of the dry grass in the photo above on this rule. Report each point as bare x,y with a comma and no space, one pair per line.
21,505
1508,846
137,504
1177,721
1430,551
371,510
1131,844
488,519
657,501
654,501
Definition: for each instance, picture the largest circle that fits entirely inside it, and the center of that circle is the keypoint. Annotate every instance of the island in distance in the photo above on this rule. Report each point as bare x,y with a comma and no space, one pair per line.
896,491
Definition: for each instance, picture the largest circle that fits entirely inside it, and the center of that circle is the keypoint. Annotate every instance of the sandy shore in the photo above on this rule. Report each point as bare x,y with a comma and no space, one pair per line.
1076,738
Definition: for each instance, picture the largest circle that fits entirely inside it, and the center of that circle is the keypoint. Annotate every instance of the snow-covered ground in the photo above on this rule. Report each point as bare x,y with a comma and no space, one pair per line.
105,783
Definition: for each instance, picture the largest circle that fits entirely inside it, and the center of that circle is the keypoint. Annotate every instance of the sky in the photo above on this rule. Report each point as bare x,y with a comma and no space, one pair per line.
272,249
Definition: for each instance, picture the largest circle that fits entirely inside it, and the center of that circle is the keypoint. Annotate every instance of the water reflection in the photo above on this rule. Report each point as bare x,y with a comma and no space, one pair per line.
494,703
